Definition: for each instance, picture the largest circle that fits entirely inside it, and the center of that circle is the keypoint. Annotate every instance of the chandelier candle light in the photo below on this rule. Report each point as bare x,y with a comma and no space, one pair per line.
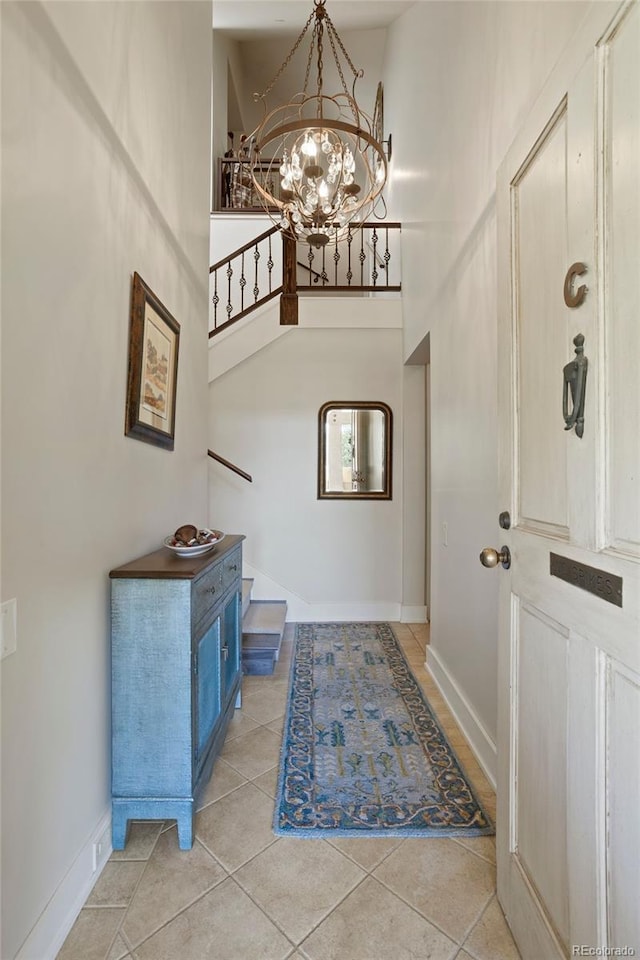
323,165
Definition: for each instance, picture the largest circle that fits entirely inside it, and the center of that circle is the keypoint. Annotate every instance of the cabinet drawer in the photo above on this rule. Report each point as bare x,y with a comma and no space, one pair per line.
231,568
206,592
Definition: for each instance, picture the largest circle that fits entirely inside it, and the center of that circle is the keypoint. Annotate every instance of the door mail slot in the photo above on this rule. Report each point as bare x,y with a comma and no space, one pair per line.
605,585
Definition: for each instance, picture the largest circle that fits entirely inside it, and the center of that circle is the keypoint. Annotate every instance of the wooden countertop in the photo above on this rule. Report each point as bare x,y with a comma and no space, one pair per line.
162,564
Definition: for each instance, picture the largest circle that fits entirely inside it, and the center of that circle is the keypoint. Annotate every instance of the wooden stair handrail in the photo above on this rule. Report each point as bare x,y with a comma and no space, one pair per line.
246,311
377,224
231,466
314,273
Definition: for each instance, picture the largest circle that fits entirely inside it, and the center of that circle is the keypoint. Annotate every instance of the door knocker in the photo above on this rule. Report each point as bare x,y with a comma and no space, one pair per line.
575,382
570,298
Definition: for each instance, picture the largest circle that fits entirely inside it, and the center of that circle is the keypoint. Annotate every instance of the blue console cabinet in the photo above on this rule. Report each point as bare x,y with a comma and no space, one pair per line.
176,635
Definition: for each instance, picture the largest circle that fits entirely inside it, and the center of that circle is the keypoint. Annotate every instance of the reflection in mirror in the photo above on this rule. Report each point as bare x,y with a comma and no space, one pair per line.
354,451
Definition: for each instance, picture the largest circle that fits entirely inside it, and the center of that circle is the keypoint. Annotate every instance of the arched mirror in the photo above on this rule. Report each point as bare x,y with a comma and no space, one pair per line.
354,451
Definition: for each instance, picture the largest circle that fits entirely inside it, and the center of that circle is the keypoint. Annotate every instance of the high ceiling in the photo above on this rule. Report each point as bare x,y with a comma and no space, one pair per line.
264,31
255,19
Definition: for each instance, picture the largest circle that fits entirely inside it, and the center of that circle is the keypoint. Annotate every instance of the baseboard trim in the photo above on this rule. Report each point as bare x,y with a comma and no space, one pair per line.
465,716
56,920
300,610
349,611
414,614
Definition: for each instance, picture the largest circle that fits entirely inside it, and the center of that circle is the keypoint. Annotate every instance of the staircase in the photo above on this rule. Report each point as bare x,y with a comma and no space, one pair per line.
263,624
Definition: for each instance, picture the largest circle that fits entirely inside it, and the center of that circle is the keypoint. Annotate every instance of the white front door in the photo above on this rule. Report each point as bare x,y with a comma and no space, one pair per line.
569,676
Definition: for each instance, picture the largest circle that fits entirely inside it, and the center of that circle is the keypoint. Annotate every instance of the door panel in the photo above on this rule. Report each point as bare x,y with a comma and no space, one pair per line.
623,804
541,760
622,198
540,251
209,684
232,632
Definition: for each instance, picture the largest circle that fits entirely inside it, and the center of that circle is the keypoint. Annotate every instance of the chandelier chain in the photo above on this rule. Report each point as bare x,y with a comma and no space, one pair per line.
292,52
309,61
320,65
331,32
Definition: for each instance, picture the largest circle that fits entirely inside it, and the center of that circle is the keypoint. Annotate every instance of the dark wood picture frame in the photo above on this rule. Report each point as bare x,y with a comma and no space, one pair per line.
154,338
385,491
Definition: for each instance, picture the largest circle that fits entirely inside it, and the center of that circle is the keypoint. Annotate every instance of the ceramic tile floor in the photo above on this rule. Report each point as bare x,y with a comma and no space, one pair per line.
242,893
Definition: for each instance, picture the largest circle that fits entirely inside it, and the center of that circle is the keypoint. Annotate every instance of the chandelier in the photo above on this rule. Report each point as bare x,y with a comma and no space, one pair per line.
314,161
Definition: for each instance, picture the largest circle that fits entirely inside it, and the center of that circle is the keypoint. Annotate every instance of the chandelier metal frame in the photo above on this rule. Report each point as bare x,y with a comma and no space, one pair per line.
319,149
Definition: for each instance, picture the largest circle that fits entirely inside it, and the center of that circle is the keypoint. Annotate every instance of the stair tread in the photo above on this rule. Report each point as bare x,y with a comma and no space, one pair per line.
265,616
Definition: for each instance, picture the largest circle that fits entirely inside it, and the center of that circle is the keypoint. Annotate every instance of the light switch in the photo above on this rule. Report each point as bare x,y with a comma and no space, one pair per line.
8,621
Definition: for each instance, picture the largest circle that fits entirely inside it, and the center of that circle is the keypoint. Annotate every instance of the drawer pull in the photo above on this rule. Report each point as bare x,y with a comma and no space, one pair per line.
233,566
211,590
225,652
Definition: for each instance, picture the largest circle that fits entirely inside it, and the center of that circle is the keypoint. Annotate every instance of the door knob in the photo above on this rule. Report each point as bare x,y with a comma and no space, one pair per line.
491,558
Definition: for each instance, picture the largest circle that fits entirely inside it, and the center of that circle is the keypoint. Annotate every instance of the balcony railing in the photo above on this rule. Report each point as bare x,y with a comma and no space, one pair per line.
236,188
366,262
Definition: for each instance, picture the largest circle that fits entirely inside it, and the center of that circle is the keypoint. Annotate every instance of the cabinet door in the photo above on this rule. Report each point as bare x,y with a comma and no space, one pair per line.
231,640
207,686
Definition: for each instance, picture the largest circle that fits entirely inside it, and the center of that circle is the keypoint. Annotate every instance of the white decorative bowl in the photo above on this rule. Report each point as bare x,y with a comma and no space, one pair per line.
198,549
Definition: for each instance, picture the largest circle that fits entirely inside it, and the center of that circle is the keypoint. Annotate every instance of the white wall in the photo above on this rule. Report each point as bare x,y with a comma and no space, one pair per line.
227,67
459,79
106,137
322,555
261,60
219,98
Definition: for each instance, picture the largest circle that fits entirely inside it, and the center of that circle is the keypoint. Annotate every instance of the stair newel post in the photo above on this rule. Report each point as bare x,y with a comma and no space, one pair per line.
289,296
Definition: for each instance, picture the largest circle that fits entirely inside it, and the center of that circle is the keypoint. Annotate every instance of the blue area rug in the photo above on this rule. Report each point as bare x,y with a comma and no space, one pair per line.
362,753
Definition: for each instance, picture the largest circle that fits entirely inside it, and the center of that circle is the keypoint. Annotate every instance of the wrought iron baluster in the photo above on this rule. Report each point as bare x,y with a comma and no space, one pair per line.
374,270
336,260
256,259
229,306
215,299
310,259
324,275
270,263
387,255
243,283
362,256
349,241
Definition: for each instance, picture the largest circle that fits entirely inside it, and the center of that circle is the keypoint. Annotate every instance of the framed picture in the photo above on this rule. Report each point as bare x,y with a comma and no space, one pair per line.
154,336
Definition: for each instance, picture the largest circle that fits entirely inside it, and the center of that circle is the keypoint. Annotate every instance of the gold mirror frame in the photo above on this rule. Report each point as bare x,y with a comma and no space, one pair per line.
383,490
378,115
